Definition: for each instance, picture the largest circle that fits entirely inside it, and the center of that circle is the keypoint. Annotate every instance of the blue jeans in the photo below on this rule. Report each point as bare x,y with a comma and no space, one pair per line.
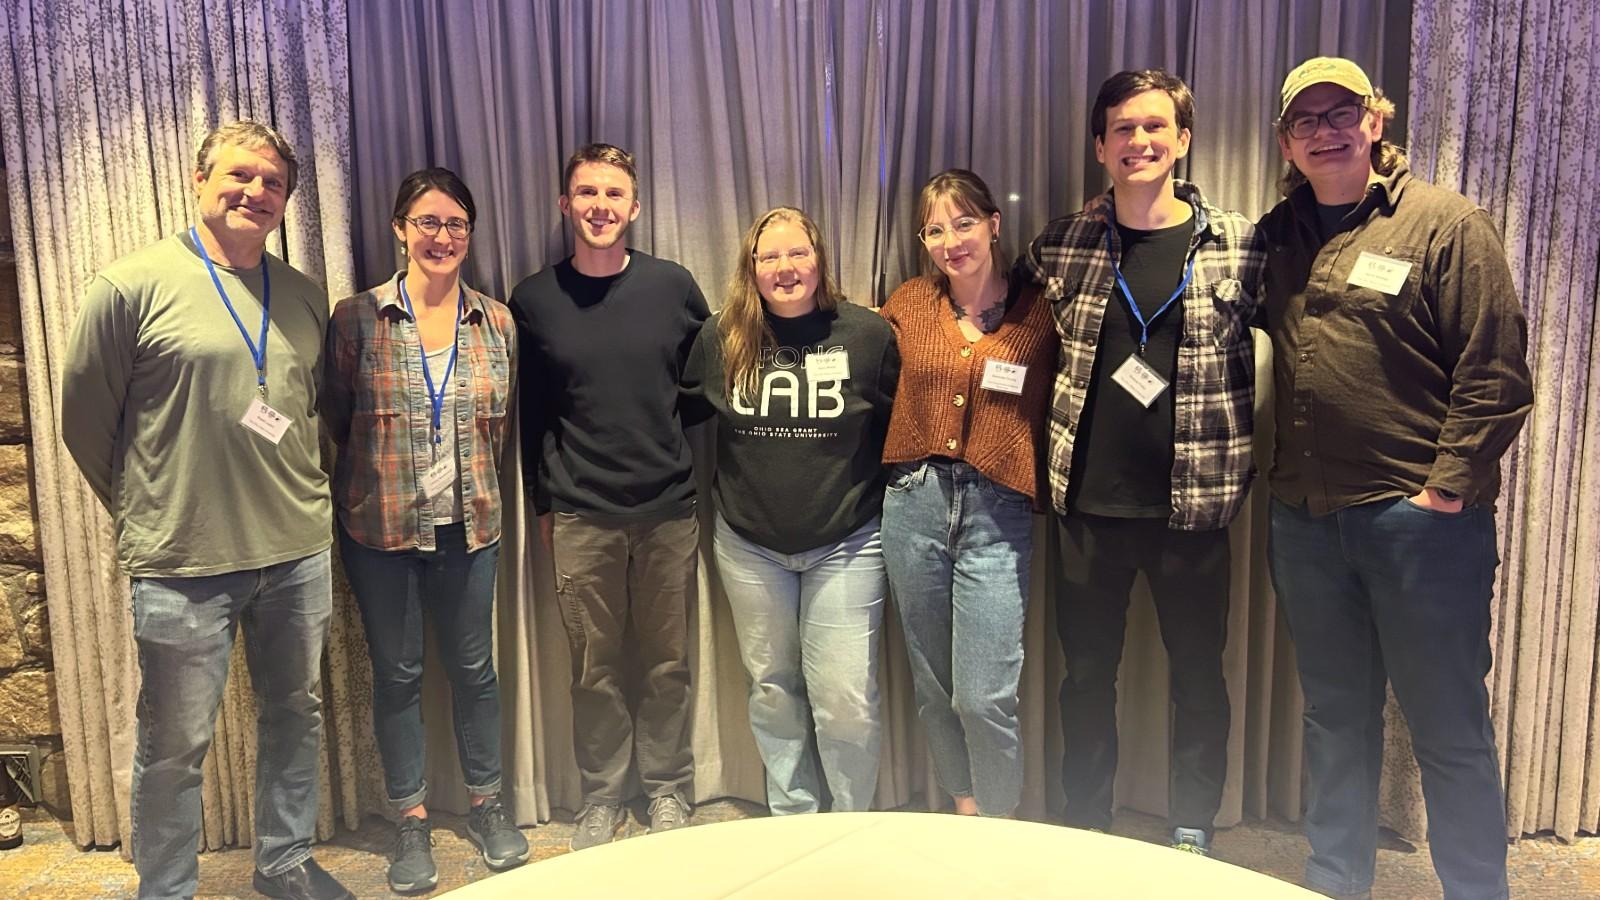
1390,592
455,586
184,629
808,628
957,547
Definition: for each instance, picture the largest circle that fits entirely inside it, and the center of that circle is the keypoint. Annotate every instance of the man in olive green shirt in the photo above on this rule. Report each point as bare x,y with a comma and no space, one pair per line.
188,400
1399,359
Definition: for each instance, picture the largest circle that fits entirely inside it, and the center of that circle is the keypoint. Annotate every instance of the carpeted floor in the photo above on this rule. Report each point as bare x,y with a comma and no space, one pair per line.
47,865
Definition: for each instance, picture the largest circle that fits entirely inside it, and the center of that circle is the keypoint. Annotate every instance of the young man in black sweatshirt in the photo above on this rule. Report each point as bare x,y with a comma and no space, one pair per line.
605,334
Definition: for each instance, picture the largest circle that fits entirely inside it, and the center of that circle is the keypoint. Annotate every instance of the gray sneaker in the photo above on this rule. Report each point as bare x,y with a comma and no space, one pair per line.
668,812
411,861
597,824
489,826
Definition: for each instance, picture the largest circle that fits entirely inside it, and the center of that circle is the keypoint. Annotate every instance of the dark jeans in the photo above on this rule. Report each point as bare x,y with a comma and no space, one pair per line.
455,588
1390,592
1188,576
607,574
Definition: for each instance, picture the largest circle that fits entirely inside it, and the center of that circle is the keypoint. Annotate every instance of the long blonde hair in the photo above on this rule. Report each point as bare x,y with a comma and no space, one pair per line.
740,325
1386,157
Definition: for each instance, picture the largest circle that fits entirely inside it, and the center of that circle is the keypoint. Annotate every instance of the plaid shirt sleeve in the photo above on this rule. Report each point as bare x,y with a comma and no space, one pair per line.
338,361
1214,409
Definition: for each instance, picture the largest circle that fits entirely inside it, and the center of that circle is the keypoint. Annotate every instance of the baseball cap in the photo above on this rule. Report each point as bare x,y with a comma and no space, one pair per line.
1324,69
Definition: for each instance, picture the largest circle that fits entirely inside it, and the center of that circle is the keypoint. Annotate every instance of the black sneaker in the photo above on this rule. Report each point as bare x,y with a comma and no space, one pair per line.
502,844
411,862
307,881
596,825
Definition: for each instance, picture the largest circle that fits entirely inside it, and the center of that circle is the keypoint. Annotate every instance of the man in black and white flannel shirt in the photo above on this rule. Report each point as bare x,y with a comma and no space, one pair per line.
1150,440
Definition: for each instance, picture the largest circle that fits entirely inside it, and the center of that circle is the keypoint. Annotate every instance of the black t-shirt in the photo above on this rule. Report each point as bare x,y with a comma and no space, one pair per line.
800,466
600,361
1122,454
1331,216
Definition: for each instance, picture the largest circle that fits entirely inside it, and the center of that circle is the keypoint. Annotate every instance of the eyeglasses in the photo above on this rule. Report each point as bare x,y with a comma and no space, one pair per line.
933,234
1342,116
798,256
428,225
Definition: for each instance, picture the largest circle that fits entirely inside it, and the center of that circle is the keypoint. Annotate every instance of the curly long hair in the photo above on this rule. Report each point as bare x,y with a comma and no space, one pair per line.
741,325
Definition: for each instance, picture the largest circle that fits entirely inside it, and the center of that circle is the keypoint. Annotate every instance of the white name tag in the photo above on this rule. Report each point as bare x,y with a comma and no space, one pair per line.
1137,378
439,477
1380,273
264,420
831,366
1003,376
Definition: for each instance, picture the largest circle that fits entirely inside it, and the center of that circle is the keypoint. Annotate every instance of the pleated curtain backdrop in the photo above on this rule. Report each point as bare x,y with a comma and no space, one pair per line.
104,104
842,108
1503,109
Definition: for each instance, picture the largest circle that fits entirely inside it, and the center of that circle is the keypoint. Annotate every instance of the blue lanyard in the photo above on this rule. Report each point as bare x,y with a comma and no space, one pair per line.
258,348
436,398
1133,305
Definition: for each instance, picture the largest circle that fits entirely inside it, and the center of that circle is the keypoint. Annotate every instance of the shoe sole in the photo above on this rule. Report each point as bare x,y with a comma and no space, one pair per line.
267,890
415,887
497,865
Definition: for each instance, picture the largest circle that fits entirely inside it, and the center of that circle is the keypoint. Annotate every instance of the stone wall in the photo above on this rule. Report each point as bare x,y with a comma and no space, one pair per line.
28,713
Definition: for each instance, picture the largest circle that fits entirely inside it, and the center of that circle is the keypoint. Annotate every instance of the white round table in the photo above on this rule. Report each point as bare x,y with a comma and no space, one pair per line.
920,855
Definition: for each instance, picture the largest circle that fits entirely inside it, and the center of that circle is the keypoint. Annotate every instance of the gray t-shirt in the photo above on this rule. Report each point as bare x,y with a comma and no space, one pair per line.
156,379
447,505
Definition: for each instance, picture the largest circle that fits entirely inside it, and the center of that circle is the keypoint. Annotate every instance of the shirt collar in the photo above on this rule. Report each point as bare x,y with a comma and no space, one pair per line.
388,295
1385,191
1204,222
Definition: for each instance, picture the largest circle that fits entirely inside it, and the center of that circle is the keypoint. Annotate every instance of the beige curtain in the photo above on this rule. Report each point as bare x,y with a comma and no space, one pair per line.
875,96
844,109
1503,109
104,104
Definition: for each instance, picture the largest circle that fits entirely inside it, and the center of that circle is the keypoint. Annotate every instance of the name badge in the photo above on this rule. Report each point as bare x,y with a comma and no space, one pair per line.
1379,273
833,365
264,420
1137,378
1003,376
439,477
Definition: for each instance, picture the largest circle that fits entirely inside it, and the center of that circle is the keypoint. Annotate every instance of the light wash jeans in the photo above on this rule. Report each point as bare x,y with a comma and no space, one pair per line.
808,627
184,629
958,547
455,586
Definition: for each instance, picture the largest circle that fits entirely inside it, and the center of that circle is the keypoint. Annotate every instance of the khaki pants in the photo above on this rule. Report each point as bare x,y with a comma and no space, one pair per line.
605,574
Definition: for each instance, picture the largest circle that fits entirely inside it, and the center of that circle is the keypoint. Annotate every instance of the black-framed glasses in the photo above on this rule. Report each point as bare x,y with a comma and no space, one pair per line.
961,228
428,225
1342,116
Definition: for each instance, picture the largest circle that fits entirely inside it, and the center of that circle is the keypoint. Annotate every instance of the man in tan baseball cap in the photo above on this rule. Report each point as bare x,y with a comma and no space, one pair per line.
1325,70
1399,362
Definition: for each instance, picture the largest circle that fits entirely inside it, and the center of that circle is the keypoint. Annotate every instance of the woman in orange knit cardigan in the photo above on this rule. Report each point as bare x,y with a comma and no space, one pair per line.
977,361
